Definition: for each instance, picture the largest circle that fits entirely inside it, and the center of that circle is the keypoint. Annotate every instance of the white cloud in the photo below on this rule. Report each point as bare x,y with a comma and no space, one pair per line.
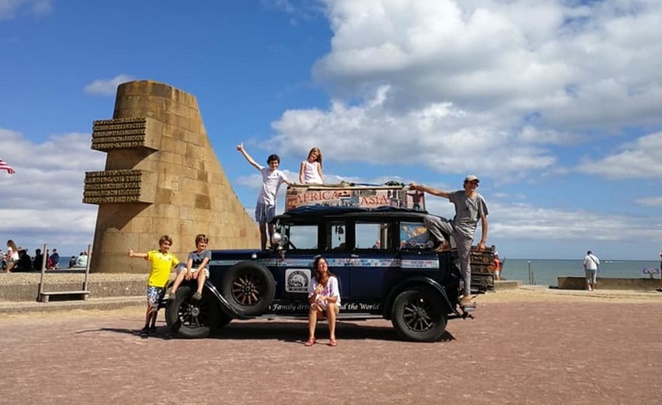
11,8
440,135
45,202
452,82
638,159
650,202
107,87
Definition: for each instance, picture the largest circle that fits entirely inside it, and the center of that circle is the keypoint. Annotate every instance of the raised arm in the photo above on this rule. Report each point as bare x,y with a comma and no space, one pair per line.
136,254
248,157
429,190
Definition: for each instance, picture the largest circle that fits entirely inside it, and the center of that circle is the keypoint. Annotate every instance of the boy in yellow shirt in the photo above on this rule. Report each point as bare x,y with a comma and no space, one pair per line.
159,274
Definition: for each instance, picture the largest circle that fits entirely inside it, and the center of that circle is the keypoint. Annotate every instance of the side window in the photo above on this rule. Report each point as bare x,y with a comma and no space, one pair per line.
372,235
301,236
413,235
337,233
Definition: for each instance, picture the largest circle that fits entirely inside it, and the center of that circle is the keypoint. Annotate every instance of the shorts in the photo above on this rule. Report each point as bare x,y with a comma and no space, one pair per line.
183,268
264,213
323,305
591,276
154,295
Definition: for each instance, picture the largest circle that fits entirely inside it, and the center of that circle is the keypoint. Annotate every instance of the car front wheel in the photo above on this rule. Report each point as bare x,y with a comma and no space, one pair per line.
419,315
193,319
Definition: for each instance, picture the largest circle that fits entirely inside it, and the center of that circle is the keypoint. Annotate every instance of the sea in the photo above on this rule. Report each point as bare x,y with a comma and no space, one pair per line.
547,271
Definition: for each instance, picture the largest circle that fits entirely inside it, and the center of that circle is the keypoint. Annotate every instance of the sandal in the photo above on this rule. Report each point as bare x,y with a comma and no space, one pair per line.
332,342
310,342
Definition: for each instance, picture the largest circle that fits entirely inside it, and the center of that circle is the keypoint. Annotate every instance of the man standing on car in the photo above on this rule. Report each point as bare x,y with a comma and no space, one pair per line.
470,207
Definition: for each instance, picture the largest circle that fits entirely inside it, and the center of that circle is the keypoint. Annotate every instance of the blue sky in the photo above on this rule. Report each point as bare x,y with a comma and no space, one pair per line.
555,105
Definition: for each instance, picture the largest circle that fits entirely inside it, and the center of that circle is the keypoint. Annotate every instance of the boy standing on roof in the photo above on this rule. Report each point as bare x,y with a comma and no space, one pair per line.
272,178
470,207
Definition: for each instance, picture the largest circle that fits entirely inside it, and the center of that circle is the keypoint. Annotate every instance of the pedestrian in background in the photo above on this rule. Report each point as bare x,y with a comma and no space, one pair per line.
54,260
12,255
591,266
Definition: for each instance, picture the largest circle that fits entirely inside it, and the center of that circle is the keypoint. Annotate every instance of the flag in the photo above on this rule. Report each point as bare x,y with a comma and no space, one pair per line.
5,166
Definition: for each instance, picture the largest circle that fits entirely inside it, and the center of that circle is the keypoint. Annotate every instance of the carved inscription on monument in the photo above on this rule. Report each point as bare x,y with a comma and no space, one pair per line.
123,133
118,186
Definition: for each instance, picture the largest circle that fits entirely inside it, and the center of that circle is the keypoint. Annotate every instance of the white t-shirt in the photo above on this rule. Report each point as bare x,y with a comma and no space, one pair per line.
591,262
311,173
331,290
271,181
11,254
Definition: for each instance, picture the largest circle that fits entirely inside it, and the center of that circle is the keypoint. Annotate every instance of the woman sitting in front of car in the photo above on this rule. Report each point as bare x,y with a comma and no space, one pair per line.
324,298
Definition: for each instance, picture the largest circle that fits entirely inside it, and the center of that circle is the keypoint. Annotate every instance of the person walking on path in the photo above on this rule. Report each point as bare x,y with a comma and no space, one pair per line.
660,289
591,266
470,208
272,179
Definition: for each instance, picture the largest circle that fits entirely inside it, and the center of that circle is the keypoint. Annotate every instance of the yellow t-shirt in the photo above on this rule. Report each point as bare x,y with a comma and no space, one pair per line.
162,263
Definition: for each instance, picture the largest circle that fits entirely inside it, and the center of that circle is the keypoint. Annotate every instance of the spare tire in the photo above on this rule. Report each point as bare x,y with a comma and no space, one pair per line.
249,287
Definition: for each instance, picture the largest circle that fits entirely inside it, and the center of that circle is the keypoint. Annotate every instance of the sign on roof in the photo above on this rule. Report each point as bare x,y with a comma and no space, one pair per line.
347,195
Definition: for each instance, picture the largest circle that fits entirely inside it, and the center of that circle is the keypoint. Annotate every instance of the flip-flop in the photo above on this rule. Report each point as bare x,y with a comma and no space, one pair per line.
310,342
332,343
659,290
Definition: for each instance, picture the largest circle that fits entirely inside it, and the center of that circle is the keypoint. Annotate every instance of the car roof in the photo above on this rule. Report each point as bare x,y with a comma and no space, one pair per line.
316,212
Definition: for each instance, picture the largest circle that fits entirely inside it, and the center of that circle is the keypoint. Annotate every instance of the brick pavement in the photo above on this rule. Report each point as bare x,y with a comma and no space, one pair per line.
512,353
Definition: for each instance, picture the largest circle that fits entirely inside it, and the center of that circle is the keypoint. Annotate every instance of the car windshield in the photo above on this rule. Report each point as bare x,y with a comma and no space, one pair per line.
300,236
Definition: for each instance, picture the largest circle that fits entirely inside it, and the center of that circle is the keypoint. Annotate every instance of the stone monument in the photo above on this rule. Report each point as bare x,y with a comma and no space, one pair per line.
161,177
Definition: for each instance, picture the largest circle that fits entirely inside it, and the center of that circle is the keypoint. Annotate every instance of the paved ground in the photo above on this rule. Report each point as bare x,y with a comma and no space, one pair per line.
519,350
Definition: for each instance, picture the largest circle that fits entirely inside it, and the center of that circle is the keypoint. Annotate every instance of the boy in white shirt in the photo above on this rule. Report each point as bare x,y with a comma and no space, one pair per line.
272,178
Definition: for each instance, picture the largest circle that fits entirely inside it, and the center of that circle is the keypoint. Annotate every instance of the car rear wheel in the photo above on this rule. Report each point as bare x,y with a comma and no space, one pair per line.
249,288
193,319
419,315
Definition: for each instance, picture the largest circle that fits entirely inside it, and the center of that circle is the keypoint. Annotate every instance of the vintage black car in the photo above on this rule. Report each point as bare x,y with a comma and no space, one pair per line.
383,259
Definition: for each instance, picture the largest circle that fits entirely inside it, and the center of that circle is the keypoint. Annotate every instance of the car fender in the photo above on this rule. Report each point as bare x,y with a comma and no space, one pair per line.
225,305
418,281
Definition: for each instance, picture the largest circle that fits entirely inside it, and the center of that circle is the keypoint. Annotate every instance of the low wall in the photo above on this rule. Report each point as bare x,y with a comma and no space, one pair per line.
25,286
608,283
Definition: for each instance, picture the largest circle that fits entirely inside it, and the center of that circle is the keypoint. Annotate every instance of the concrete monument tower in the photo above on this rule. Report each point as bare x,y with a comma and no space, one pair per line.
161,177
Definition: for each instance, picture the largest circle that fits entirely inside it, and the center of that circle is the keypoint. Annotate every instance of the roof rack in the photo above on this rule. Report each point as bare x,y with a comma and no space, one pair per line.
390,194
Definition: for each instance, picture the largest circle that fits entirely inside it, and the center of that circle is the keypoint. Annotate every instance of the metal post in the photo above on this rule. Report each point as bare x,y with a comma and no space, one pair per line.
529,267
43,269
87,267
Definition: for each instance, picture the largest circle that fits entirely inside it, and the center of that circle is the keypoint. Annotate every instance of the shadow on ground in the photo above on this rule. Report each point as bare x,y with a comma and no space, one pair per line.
285,331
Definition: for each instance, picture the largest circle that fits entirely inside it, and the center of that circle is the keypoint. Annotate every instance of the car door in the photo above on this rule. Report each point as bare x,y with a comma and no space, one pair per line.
372,261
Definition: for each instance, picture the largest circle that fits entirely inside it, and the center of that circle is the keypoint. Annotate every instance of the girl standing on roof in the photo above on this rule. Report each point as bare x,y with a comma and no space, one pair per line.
311,168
